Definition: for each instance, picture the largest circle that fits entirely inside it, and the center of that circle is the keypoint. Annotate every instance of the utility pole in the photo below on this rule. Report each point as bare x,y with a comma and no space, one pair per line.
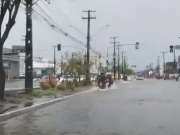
125,64
29,49
158,66
118,63
29,46
114,55
164,64
55,60
122,62
88,43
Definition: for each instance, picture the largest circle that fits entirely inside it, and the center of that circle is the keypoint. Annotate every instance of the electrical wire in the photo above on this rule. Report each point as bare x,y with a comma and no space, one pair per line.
53,26
58,25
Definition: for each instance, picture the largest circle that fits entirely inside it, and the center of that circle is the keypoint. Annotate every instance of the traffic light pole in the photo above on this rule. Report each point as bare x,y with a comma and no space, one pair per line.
174,55
55,60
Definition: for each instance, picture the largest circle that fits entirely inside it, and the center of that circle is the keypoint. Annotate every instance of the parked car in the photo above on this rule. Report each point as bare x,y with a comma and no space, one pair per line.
47,78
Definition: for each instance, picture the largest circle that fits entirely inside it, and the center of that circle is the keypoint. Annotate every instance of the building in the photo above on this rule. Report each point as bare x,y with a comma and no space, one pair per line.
11,64
95,58
41,68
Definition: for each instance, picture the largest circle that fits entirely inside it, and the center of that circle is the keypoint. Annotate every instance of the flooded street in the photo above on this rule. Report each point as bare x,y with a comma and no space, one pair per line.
148,107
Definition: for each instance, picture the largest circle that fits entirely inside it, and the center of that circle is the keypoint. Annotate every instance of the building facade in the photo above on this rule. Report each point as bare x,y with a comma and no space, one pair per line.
95,58
11,64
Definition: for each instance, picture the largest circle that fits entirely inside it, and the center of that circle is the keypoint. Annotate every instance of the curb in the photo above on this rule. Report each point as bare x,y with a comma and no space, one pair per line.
21,111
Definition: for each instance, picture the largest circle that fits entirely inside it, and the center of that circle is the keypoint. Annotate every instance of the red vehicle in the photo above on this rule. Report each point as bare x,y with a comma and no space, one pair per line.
47,79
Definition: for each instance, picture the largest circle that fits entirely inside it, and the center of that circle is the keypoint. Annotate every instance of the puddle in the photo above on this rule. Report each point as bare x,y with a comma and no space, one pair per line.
4,109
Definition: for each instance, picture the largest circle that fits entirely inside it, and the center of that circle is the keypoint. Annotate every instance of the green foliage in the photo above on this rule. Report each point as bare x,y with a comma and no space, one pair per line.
129,71
51,84
75,65
44,86
61,87
76,83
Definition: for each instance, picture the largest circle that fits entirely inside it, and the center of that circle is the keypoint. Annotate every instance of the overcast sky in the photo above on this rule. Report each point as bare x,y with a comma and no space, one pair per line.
153,23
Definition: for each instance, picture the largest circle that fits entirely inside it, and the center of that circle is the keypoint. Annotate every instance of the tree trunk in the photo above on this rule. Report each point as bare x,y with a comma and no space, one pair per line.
2,75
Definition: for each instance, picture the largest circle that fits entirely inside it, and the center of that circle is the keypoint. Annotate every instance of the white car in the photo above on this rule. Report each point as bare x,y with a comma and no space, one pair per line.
129,78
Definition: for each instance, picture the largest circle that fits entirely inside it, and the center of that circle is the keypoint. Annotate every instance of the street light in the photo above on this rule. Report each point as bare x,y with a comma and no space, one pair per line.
78,31
136,44
100,30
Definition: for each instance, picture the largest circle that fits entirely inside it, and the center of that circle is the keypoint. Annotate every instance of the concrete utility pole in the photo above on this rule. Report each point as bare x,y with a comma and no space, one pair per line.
164,64
29,46
158,63
114,55
88,43
122,62
118,63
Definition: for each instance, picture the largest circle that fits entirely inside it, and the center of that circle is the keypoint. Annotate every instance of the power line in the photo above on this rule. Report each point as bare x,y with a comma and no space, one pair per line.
53,26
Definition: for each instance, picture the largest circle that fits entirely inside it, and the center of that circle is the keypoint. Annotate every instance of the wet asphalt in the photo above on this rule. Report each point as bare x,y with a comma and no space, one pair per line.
148,107
18,84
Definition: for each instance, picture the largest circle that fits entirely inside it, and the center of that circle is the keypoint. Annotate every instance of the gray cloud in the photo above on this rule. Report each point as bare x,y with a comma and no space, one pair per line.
154,23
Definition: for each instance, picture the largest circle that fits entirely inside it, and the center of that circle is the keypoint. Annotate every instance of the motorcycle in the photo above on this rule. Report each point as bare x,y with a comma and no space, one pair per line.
102,86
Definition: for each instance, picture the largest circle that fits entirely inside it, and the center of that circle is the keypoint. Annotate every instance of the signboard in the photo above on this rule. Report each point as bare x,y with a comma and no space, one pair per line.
18,48
177,47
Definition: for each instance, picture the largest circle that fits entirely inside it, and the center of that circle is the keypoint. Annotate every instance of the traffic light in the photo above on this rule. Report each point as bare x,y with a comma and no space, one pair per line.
107,62
137,45
59,47
171,48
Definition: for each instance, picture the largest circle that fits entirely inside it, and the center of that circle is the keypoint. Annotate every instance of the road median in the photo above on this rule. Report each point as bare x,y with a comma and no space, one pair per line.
16,104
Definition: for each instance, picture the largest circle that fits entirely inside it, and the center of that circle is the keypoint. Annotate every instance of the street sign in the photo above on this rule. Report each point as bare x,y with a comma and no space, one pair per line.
177,47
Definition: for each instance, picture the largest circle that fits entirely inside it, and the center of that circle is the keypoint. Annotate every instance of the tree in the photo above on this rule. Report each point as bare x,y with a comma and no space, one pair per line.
75,66
9,8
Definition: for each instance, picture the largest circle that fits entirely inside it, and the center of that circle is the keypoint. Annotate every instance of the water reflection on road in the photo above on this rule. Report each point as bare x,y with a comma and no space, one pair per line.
148,107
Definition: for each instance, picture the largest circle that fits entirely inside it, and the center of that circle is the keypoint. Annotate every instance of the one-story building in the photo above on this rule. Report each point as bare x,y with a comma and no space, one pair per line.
11,66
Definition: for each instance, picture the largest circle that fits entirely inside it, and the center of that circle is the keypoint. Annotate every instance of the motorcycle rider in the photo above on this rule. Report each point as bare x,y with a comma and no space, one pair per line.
102,79
110,80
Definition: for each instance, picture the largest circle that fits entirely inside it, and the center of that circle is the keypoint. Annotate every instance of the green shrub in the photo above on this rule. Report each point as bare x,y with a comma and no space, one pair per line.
61,87
76,83
52,85
83,83
44,86
68,85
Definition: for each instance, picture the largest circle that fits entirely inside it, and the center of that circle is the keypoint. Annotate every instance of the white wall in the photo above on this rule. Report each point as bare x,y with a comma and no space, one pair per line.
38,71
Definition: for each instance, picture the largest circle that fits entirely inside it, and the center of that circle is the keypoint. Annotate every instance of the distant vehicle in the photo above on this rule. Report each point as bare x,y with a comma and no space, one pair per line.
47,79
139,75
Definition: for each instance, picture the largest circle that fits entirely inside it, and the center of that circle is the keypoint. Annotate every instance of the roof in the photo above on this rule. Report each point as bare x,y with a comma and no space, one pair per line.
42,65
